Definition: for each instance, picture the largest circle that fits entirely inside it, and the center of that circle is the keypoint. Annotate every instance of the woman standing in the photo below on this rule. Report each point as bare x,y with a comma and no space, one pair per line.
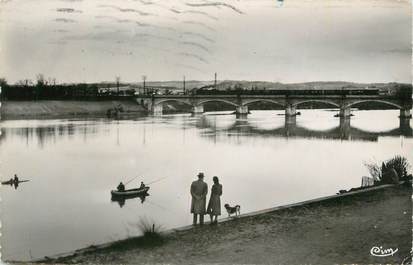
214,205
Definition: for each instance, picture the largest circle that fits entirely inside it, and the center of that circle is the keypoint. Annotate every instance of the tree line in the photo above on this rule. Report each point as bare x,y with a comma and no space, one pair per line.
44,89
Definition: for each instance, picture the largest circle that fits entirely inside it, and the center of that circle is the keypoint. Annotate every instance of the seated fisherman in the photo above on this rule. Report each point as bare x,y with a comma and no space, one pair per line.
121,187
16,179
142,185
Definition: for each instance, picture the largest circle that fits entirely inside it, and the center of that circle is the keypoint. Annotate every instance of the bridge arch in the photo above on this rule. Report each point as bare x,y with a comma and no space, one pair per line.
160,102
328,102
202,102
374,100
251,101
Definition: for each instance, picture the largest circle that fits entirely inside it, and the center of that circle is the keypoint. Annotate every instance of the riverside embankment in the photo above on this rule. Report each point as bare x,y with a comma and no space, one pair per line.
64,108
342,229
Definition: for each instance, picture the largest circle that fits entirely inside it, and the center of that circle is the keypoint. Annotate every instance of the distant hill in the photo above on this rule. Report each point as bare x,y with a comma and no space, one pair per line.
189,84
229,84
232,84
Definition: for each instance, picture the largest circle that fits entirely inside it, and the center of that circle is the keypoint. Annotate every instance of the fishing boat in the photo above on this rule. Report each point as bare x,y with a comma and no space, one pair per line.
11,182
121,200
131,192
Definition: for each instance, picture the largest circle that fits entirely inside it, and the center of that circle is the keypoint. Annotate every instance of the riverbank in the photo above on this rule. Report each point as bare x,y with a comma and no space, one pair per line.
64,108
341,229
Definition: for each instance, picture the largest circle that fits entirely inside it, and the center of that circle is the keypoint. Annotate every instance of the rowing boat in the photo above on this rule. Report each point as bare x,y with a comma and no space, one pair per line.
11,182
130,192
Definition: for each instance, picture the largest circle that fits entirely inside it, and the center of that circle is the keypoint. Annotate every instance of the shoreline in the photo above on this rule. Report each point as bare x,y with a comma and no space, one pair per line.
53,109
333,199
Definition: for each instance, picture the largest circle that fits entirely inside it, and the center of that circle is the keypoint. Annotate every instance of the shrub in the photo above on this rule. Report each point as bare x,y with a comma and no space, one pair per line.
400,164
380,173
374,170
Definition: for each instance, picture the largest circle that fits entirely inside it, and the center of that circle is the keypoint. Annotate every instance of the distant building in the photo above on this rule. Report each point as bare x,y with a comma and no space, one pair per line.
112,90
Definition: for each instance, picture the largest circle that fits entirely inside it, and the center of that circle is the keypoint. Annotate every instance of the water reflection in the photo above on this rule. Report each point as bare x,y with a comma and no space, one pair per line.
49,133
122,200
344,131
211,126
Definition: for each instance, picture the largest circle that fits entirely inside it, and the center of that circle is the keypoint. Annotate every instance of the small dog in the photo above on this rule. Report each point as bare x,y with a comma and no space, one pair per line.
231,210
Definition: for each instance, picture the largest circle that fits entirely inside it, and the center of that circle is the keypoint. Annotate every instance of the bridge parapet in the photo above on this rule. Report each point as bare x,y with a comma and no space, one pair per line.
153,103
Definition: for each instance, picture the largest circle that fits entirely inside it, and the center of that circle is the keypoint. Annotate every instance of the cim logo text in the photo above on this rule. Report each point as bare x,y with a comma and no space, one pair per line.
380,252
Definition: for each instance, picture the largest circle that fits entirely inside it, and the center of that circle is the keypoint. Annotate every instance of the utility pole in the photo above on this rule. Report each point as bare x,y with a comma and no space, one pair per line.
215,81
184,86
117,85
144,84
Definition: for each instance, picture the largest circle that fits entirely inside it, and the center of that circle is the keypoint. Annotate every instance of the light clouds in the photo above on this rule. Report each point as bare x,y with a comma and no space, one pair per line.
361,41
68,10
218,4
65,20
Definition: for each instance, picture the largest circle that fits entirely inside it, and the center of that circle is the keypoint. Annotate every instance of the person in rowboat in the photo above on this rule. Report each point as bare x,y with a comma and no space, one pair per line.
142,185
16,179
121,187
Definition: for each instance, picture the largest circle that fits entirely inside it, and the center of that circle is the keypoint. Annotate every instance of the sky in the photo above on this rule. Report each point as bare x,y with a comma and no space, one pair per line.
282,41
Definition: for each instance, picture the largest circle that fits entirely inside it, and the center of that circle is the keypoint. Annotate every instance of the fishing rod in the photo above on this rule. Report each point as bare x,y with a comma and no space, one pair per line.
130,180
156,181
162,207
152,182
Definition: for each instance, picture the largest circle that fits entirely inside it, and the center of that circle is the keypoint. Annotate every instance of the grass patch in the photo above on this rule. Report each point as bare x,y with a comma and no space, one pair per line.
151,237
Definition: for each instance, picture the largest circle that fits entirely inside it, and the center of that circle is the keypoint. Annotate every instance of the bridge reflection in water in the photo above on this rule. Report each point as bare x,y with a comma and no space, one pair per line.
288,126
344,131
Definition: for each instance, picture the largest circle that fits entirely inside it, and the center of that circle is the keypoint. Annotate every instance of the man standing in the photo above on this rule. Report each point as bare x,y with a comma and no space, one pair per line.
199,190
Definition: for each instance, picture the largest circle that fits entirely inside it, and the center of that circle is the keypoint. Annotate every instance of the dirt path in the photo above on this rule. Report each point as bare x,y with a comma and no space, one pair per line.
337,231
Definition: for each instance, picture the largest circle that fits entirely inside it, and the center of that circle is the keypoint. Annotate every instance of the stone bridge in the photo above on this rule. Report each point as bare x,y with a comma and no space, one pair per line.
154,103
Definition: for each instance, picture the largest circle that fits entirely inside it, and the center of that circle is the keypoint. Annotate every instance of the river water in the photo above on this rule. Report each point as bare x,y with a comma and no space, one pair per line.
261,161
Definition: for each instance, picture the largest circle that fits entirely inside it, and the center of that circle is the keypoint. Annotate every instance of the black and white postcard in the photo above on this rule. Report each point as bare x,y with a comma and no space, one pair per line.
206,131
